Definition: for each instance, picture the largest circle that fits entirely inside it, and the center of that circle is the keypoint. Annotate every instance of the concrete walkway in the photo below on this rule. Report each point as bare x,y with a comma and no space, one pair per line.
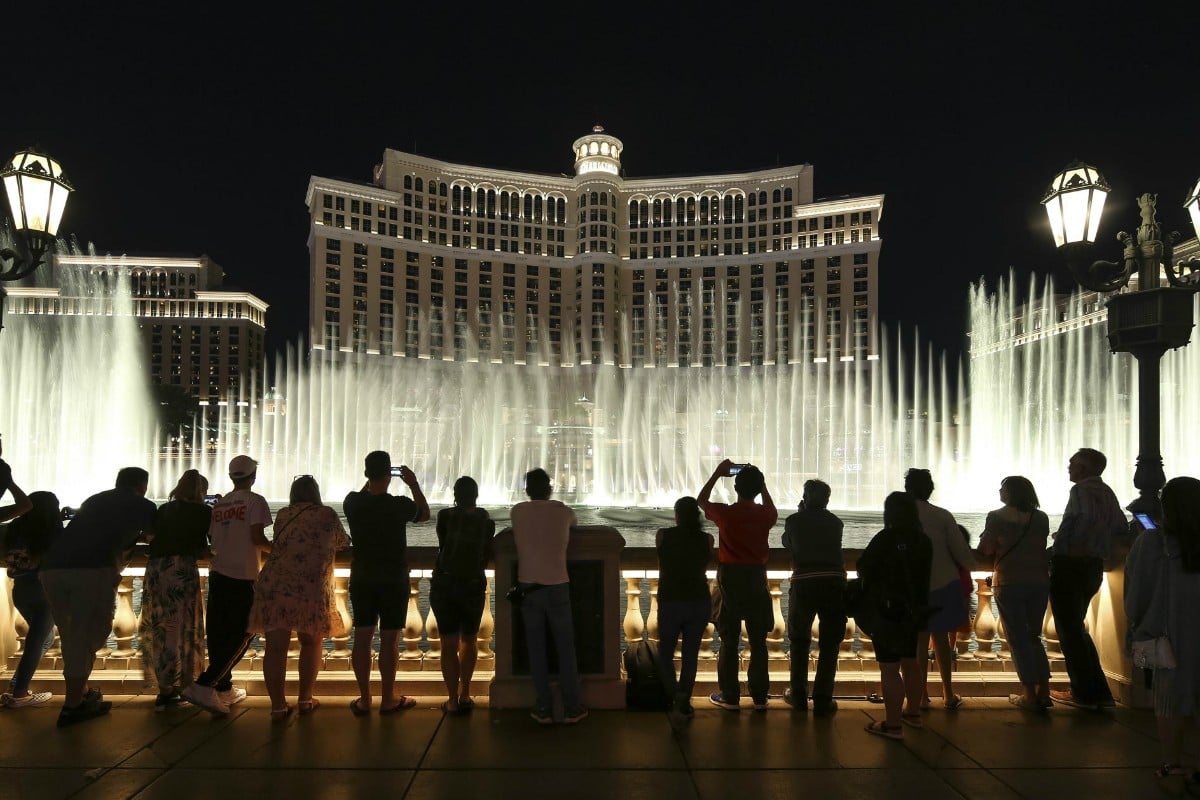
987,749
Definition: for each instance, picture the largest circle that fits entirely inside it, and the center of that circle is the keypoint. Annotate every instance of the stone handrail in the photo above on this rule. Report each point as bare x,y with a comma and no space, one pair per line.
985,649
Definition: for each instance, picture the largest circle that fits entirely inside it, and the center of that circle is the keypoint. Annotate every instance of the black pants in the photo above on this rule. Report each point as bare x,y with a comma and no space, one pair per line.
1073,583
746,598
816,597
229,601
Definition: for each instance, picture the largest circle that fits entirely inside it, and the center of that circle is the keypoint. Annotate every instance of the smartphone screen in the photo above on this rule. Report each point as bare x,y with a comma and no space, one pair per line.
395,472
735,469
1147,523
210,499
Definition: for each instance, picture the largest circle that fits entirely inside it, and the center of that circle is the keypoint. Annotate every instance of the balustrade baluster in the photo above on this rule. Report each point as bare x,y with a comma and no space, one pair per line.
652,617
633,626
985,623
433,656
706,640
339,656
124,626
483,641
778,631
410,656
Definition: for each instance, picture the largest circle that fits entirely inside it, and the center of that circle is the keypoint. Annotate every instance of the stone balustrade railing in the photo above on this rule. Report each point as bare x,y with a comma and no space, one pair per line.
984,650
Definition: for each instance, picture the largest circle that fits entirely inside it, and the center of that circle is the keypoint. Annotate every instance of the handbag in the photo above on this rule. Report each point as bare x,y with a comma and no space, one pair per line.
1154,654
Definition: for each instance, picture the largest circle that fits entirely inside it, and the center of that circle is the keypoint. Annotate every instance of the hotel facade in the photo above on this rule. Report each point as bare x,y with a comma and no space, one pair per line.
199,336
434,260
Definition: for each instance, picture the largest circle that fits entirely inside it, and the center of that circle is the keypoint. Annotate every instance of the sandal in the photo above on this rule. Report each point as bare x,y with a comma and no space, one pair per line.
308,706
281,714
358,710
1020,702
466,703
954,702
405,702
451,712
874,697
881,728
912,720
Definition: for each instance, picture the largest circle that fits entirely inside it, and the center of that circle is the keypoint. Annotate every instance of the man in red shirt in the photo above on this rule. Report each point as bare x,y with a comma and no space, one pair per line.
742,550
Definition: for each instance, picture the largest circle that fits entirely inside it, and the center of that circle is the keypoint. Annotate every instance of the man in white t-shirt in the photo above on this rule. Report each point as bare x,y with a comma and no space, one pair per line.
542,530
237,535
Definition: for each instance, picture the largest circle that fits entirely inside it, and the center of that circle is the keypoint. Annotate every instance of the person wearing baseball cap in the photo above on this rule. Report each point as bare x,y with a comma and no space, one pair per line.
239,520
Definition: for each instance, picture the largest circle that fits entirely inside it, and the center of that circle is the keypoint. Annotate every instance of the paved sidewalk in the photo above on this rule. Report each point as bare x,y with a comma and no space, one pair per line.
987,749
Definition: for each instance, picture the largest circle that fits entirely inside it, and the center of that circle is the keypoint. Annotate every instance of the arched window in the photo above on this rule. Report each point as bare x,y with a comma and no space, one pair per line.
729,207
691,210
480,201
595,198
419,185
762,198
738,212
776,195
668,208
562,211
537,209
644,213
633,213
604,198
456,199
787,195
657,211
408,181
504,205
442,189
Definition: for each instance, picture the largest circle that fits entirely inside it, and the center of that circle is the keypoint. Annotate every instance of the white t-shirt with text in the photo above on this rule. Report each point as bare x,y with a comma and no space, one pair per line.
235,554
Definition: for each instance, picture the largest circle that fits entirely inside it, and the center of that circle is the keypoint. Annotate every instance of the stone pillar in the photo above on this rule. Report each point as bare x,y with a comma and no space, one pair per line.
410,656
486,658
594,561
339,656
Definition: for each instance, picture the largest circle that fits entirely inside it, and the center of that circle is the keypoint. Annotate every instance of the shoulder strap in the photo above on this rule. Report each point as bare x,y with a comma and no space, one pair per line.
1020,539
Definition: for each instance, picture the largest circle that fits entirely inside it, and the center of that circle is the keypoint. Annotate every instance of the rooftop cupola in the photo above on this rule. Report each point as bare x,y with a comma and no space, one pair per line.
597,152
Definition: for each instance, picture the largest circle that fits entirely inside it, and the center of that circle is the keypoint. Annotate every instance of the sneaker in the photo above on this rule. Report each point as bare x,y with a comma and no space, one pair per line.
1069,699
168,701
573,715
791,700
88,709
759,704
232,696
718,700
206,697
822,709
31,699
541,716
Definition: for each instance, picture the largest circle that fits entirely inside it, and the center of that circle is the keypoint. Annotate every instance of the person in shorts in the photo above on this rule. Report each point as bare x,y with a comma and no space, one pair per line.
379,575
895,572
458,589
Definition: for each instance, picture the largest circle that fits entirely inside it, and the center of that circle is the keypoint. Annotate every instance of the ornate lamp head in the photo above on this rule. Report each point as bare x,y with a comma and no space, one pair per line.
1074,202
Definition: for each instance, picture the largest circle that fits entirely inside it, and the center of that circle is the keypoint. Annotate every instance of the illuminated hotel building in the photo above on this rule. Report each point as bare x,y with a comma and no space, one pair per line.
445,261
205,339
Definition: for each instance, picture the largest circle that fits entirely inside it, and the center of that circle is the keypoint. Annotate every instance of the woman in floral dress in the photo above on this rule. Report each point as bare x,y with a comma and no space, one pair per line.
172,622
295,592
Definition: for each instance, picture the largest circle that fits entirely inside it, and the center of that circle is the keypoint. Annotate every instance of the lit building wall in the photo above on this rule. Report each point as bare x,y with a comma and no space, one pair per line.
447,261
203,339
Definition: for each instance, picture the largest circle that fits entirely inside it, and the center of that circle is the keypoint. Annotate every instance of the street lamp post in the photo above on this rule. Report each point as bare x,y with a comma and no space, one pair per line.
1146,321
37,192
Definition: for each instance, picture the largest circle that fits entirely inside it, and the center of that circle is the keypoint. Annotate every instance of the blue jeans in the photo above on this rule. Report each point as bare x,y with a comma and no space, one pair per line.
30,599
745,597
689,618
1023,607
550,607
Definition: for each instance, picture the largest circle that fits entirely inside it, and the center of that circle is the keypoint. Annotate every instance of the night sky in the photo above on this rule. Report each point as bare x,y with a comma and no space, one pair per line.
197,134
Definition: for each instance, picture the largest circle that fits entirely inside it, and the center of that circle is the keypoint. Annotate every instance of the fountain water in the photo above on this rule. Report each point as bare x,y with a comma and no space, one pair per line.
1041,384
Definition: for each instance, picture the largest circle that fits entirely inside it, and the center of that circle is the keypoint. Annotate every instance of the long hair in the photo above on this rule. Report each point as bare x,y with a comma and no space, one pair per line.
1181,518
305,490
687,514
1021,494
191,488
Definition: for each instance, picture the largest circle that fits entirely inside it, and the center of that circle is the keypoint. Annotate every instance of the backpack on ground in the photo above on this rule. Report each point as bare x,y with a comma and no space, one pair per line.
644,690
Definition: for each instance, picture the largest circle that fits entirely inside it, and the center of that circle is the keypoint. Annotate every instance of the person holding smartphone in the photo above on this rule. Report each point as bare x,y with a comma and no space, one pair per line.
379,575
742,531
